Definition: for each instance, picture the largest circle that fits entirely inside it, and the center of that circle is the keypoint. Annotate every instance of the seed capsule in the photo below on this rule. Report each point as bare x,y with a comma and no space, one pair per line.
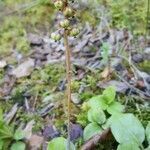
55,37
74,32
68,12
59,4
64,23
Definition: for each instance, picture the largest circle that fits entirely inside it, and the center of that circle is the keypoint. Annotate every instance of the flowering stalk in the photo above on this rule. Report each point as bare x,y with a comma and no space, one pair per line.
68,73
68,30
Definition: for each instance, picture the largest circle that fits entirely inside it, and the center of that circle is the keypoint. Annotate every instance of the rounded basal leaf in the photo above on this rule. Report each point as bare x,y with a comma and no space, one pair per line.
126,128
18,146
19,134
115,107
97,102
109,95
107,123
128,146
148,132
91,130
59,143
96,115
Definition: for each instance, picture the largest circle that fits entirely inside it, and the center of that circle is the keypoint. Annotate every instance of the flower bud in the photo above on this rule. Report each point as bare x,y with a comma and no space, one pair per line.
68,12
55,36
74,32
59,4
64,23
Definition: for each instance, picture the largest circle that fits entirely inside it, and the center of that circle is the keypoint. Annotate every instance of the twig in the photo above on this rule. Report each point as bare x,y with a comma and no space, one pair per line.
90,144
143,94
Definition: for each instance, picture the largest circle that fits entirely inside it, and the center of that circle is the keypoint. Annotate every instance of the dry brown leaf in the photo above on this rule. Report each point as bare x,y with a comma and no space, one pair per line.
106,73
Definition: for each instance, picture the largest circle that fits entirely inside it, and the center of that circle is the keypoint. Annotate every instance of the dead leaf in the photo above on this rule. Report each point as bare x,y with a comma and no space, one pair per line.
24,69
75,98
76,132
50,132
120,86
35,142
106,73
3,63
35,40
11,114
28,129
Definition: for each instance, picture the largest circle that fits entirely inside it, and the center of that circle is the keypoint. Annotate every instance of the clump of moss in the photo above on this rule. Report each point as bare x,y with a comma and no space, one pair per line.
26,117
13,36
42,81
34,15
75,85
50,75
145,66
142,114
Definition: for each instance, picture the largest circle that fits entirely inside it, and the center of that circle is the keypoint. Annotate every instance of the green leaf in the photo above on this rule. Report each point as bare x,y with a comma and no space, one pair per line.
148,148
19,134
96,115
91,130
115,107
107,123
1,144
126,128
18,146
148,132
59,143
94,102
128,146
5,131
97,102
109,95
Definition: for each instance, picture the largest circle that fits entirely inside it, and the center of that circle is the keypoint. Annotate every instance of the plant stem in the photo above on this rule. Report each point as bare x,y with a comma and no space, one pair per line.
68,74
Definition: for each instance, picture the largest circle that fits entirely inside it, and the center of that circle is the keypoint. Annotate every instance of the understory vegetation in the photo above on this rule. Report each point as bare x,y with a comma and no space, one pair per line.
74,75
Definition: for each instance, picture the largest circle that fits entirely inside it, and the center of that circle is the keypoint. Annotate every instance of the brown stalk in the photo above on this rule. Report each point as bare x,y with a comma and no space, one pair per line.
68,74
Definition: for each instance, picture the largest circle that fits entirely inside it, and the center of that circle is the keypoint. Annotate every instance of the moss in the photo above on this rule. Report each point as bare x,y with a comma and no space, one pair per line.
18,95
145,66
5,105
23,45
75,85
82,118
142,114
41,83
13,36
14,28
25,117
88,17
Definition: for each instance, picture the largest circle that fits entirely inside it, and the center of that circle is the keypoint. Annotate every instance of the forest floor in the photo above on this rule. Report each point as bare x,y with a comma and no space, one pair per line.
32,86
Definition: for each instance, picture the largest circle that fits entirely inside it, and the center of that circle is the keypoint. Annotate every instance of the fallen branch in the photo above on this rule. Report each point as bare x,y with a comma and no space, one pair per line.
90,144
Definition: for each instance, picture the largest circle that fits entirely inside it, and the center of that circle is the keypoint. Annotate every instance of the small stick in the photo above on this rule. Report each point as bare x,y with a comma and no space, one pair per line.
91,143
